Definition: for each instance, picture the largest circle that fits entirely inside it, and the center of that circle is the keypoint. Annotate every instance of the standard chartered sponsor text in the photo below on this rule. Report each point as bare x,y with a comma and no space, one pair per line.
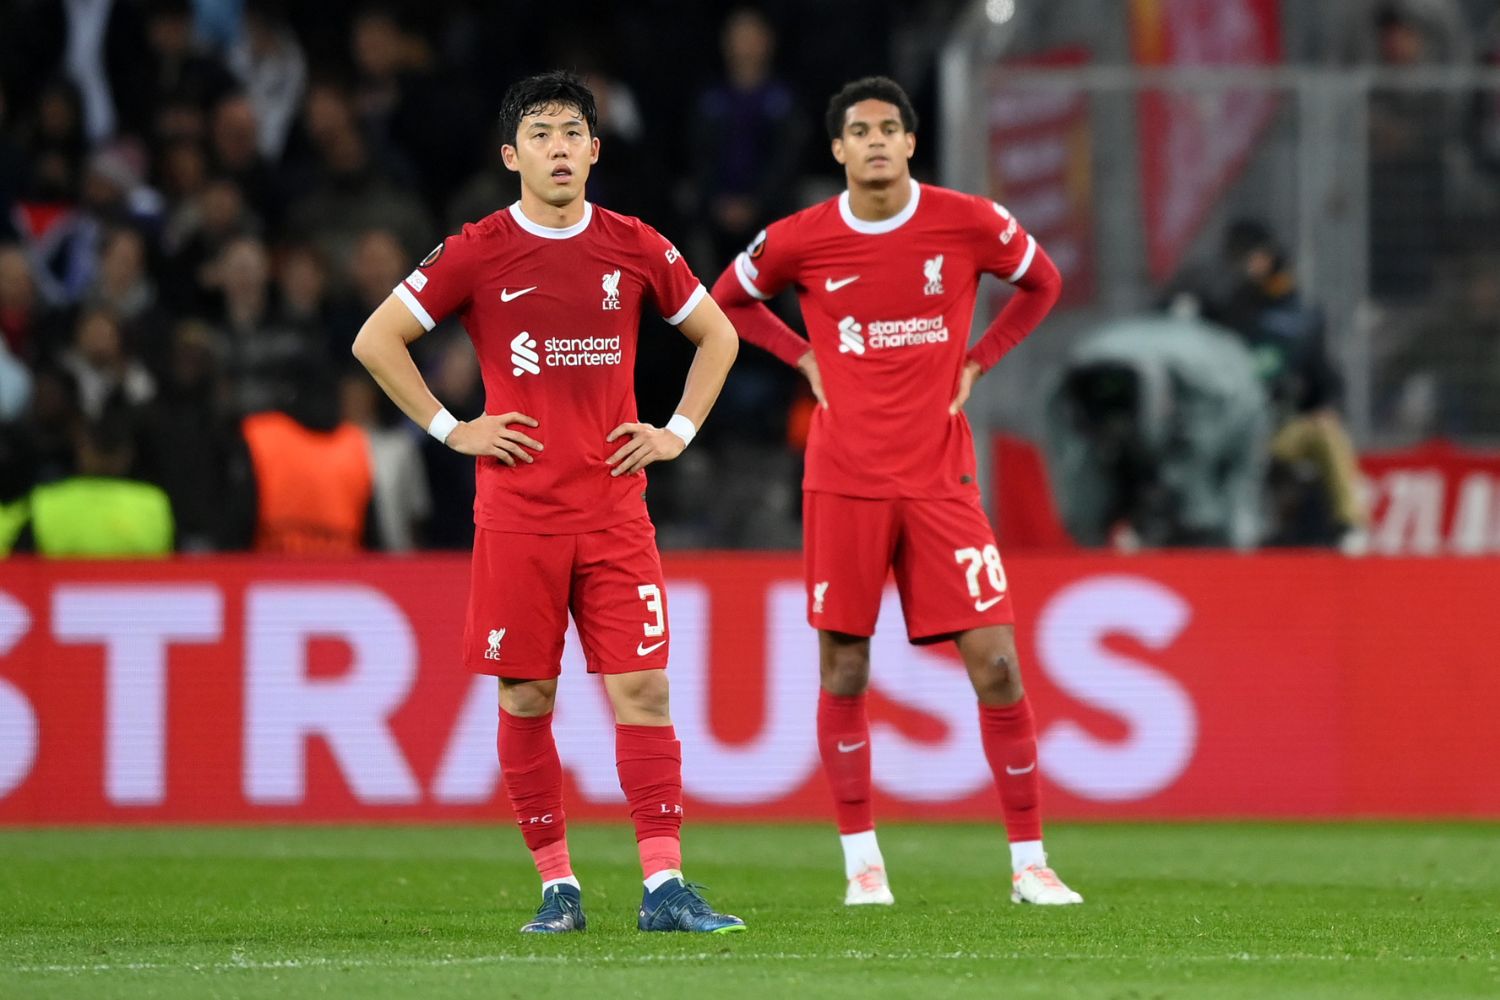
573,352
883,333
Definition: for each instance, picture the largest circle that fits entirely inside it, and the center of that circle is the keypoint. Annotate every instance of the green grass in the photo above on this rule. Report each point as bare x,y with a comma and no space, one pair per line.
1181,911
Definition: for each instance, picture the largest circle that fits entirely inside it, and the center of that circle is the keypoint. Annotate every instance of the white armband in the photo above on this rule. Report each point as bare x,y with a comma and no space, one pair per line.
683,428
442,425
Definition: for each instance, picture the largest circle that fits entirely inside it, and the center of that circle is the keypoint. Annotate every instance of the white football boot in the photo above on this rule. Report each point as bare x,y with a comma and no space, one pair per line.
869,887
1040,885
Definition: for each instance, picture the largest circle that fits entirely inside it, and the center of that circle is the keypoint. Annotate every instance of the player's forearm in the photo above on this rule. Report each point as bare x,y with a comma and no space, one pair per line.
387,358
755,323
1036,294
715,355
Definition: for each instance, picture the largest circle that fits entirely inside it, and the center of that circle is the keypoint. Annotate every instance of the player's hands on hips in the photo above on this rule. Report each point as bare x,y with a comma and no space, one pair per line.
492,435
808,366
966,379
646,444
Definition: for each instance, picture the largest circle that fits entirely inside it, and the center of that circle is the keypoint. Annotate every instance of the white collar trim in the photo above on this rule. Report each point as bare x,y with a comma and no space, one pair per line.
548,232
884,225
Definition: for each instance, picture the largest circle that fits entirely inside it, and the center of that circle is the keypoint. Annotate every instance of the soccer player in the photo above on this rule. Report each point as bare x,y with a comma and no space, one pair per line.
551,291
886,274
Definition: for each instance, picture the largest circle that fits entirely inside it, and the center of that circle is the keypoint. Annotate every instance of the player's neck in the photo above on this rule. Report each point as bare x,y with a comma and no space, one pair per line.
551,216
876,203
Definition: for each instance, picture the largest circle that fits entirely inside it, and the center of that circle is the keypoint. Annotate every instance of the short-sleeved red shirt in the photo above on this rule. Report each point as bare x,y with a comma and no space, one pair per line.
887,307
554,315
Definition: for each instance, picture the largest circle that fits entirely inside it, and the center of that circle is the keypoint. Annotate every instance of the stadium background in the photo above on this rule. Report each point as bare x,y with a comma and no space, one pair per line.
222,197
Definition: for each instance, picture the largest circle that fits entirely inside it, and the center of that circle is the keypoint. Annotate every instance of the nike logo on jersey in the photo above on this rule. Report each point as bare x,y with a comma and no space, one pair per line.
833,286
641,649
850,747
1021,770
506,295
986,605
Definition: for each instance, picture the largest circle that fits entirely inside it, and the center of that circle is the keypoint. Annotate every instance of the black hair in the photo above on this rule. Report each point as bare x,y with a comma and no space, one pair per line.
537,93
877,88
1246,236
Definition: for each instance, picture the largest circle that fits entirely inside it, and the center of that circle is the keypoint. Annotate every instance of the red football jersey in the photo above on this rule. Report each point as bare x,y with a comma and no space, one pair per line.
887,307
554,315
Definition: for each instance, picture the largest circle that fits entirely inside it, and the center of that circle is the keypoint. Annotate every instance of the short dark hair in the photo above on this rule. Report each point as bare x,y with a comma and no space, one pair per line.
877,88
545,90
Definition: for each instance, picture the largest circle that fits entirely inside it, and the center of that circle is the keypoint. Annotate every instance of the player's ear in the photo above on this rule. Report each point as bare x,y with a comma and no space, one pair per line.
838,150
508,157
594,150
911,144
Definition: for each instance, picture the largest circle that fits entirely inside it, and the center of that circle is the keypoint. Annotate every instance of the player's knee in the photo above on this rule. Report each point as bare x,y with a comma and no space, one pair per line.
527,699
846,669
997,678
642,697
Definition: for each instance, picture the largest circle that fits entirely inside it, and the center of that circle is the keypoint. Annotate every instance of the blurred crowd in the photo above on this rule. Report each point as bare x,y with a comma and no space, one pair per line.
201,202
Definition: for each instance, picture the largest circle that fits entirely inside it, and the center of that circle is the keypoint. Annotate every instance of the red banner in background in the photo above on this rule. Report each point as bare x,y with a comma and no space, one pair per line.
1209,685
1193,143
1434,499
1041,167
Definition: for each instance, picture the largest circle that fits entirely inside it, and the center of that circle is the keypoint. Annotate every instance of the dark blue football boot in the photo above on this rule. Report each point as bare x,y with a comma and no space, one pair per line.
677,906
561,911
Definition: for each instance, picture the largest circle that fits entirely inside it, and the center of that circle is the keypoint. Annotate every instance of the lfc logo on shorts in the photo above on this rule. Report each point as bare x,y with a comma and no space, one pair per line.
493,653
820,591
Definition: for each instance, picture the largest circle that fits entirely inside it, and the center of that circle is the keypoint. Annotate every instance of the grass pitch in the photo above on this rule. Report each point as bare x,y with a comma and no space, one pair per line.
1178,911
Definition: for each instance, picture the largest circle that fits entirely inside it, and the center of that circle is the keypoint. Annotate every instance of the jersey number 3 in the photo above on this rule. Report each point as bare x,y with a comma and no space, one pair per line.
651,594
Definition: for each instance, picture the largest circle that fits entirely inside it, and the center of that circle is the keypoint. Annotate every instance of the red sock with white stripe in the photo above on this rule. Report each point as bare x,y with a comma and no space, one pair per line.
533,781
649,762
1008,733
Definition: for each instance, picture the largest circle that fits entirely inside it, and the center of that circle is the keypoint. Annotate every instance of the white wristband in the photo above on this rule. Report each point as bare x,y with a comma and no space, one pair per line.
442,425
683,428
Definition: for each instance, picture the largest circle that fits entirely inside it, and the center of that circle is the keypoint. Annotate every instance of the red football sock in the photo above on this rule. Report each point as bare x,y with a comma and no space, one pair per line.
1009,736
649,760
533,780
844,742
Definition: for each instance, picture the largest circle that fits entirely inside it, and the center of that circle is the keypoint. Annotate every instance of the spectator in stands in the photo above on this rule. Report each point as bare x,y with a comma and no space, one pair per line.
260,351
54,233
1315,475
235,139
50,427
214,218
416,114
181,175
748,140
187,440
107,375
350,192
302,295
101,512
1409,140
123,287
26,324
304,479
401,500
378,264
270,65
173,73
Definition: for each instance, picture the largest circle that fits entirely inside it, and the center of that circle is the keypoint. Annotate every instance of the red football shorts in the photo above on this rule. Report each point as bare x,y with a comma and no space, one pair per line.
943,552
523,587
